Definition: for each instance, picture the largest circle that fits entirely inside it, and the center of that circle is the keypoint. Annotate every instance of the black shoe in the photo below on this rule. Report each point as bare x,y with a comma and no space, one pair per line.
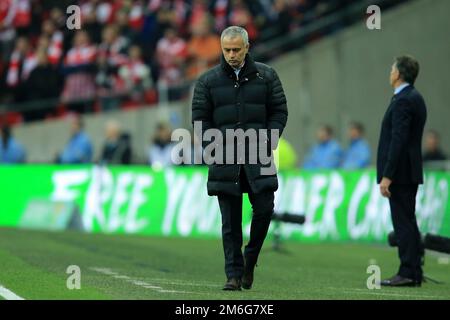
247,278
233,284
399,281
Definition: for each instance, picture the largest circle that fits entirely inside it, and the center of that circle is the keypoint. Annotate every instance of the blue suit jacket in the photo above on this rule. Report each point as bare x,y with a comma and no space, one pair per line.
399,156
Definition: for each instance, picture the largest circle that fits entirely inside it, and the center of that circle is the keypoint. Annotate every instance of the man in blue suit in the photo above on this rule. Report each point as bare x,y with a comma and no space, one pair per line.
399,167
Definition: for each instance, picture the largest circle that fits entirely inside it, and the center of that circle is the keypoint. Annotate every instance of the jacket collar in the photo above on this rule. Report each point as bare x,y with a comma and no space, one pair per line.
248,68
405,90
401,93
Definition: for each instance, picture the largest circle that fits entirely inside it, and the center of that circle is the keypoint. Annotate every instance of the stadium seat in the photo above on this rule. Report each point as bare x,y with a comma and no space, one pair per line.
11,118
151,96
130,105
97,107
61,111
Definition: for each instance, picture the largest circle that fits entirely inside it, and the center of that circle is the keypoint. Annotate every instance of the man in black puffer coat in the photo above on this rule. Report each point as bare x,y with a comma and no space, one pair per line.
242,96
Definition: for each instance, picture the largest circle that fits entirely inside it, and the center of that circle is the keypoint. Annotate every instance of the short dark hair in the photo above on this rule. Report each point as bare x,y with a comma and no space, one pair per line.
408,67
328,129
358,126
162,125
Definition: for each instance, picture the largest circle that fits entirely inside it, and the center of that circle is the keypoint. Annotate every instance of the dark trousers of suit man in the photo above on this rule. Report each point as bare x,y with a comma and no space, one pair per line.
231,210
410,248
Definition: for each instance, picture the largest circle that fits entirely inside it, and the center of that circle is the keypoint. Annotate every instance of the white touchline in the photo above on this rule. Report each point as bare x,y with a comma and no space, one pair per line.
137,282
377,292
183,283
8,294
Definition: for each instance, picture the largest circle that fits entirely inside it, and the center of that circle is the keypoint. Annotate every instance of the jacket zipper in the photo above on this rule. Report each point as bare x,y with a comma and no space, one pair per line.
239,174
237,85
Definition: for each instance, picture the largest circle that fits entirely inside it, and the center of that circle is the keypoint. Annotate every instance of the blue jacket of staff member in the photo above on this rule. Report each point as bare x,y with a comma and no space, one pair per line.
13,152
357,155
324,155
77,150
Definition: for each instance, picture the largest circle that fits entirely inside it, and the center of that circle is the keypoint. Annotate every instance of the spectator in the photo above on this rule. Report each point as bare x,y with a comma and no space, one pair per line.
125,25
11,151
79,68
204,49
22,62
135,75
91,25
198,14
106,80
171,53
220,9
79,148
433,151
282,17
327,153
7,30
241,16
104,10
56,39
114,46
162,17
112,55
117,147
161,149
357,155
22,16
135,12
37,89
263,12
58,14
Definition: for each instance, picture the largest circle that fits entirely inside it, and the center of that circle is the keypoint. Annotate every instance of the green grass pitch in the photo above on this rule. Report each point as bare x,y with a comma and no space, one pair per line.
33,265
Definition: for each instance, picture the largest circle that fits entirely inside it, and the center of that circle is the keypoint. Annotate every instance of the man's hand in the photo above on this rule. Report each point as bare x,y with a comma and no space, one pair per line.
384,187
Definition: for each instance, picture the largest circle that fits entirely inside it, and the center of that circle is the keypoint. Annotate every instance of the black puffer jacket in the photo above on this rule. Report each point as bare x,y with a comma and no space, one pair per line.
254,101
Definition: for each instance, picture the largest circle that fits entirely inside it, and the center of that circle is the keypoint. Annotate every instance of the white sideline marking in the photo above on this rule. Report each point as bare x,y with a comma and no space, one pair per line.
443,260
136,282
184,283
8,294
378,293
152,287
173,291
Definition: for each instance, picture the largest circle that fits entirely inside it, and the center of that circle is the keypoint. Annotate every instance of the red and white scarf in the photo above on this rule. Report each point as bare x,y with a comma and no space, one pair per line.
29,62
55,49
80,55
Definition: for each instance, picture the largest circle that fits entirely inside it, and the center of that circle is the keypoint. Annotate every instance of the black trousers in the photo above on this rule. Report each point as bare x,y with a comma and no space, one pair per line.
231,210
410,248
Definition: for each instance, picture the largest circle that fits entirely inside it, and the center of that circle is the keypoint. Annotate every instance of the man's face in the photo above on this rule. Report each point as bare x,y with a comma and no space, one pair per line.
81,39
394,76
322,135
234,51
74,125
171,34
164,134
431,142
48,27
22,45
354,133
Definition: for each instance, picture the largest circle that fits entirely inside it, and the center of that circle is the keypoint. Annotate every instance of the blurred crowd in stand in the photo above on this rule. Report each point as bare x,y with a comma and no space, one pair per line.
127,52
117,149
